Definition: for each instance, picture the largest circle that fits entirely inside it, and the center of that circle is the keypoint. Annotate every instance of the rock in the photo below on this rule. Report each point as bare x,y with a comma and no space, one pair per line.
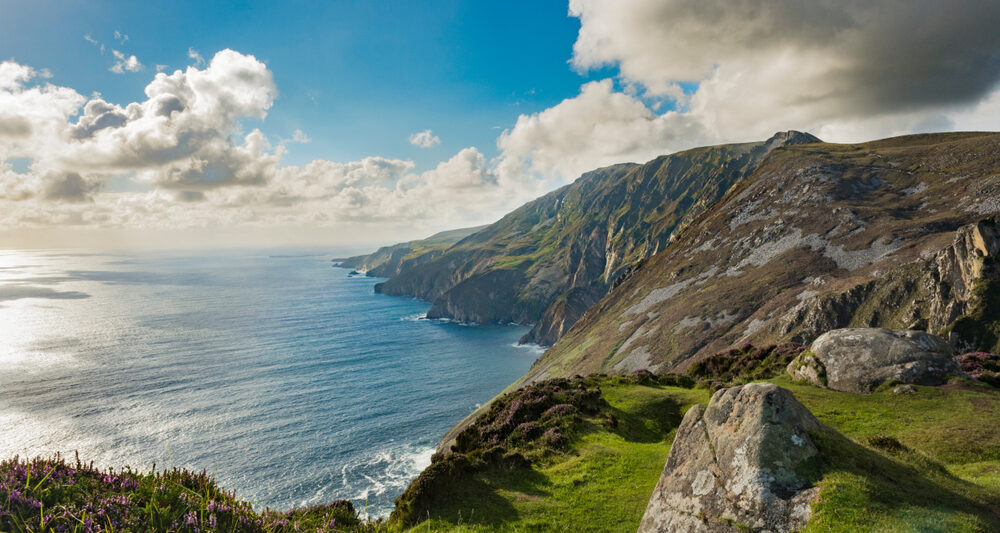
744,462
861,359
905,389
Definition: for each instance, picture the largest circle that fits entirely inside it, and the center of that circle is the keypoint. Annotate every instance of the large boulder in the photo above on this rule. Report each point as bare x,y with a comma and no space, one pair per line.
744,462
861,359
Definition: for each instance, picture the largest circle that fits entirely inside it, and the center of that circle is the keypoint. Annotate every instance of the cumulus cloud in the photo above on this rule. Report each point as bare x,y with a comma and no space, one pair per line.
842,67
845,70
184,143
598,127
424,139
124,63
182,137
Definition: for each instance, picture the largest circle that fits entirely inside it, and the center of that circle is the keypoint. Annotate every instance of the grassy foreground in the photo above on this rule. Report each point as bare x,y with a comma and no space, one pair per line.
585,458
927,461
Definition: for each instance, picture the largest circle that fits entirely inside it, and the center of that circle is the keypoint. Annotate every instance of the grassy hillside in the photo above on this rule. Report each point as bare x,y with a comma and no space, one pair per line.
928,461
584,455
390,260
890,233
549,260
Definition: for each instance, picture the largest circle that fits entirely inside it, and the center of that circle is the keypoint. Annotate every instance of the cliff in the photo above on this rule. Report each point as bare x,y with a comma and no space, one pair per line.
548,261
895,233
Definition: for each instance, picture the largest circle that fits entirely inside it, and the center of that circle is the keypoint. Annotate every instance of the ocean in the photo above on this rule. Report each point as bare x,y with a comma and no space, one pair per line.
289,381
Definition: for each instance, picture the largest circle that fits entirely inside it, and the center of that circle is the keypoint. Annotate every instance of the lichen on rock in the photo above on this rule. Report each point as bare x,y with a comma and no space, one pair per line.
861,359
744,462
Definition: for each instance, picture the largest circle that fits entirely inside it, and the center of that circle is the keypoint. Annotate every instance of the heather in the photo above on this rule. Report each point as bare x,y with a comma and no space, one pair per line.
982,366
926,461
52,494
581,454
523,426
743,364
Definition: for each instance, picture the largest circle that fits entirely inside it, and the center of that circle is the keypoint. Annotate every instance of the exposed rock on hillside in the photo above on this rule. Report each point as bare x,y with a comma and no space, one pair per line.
861,359
895,233
744,463
551,259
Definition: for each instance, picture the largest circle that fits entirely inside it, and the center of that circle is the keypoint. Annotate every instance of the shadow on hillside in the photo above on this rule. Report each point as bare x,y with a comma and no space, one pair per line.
473,501
861,484
647,422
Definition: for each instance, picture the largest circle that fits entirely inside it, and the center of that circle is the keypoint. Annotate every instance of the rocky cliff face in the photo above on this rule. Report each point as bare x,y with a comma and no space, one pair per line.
930,294
896,233
551,259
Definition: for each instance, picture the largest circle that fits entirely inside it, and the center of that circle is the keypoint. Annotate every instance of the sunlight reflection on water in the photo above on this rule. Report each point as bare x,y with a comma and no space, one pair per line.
291,382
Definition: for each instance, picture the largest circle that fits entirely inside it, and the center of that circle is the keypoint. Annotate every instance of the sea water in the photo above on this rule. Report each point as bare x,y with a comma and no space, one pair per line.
283,377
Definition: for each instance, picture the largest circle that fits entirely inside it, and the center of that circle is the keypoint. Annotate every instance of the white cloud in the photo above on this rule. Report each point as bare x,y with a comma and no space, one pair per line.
840,68
196,56
424,139
598,127
845,70
184,144
94,42
125,63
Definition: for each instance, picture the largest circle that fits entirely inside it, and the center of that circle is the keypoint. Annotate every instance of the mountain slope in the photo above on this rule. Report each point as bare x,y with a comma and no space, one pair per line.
389,261
551,259
893,233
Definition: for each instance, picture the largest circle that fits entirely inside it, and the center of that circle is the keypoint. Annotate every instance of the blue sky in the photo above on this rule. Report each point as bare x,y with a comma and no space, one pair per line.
524,96
358,77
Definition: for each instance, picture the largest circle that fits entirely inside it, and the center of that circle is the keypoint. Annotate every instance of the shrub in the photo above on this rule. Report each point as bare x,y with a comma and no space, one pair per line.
50,494
743,364
520,427
982,366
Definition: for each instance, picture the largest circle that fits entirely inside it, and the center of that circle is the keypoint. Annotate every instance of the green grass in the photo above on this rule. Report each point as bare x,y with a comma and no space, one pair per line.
944,477
602,484
928,461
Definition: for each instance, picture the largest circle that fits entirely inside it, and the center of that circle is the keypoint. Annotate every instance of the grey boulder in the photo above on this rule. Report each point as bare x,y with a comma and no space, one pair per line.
744,462
861,359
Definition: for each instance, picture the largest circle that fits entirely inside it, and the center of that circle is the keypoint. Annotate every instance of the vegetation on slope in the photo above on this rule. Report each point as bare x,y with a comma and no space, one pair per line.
56,495
926,461
598,479
743,364
389,261
584,454
904,228
549,260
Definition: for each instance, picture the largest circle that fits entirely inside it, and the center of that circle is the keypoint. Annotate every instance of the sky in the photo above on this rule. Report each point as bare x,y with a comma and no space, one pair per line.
356,123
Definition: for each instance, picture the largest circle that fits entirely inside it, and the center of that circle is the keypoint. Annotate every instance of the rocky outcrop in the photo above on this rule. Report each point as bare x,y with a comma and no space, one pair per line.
861,359
487,299
929,294
746,462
